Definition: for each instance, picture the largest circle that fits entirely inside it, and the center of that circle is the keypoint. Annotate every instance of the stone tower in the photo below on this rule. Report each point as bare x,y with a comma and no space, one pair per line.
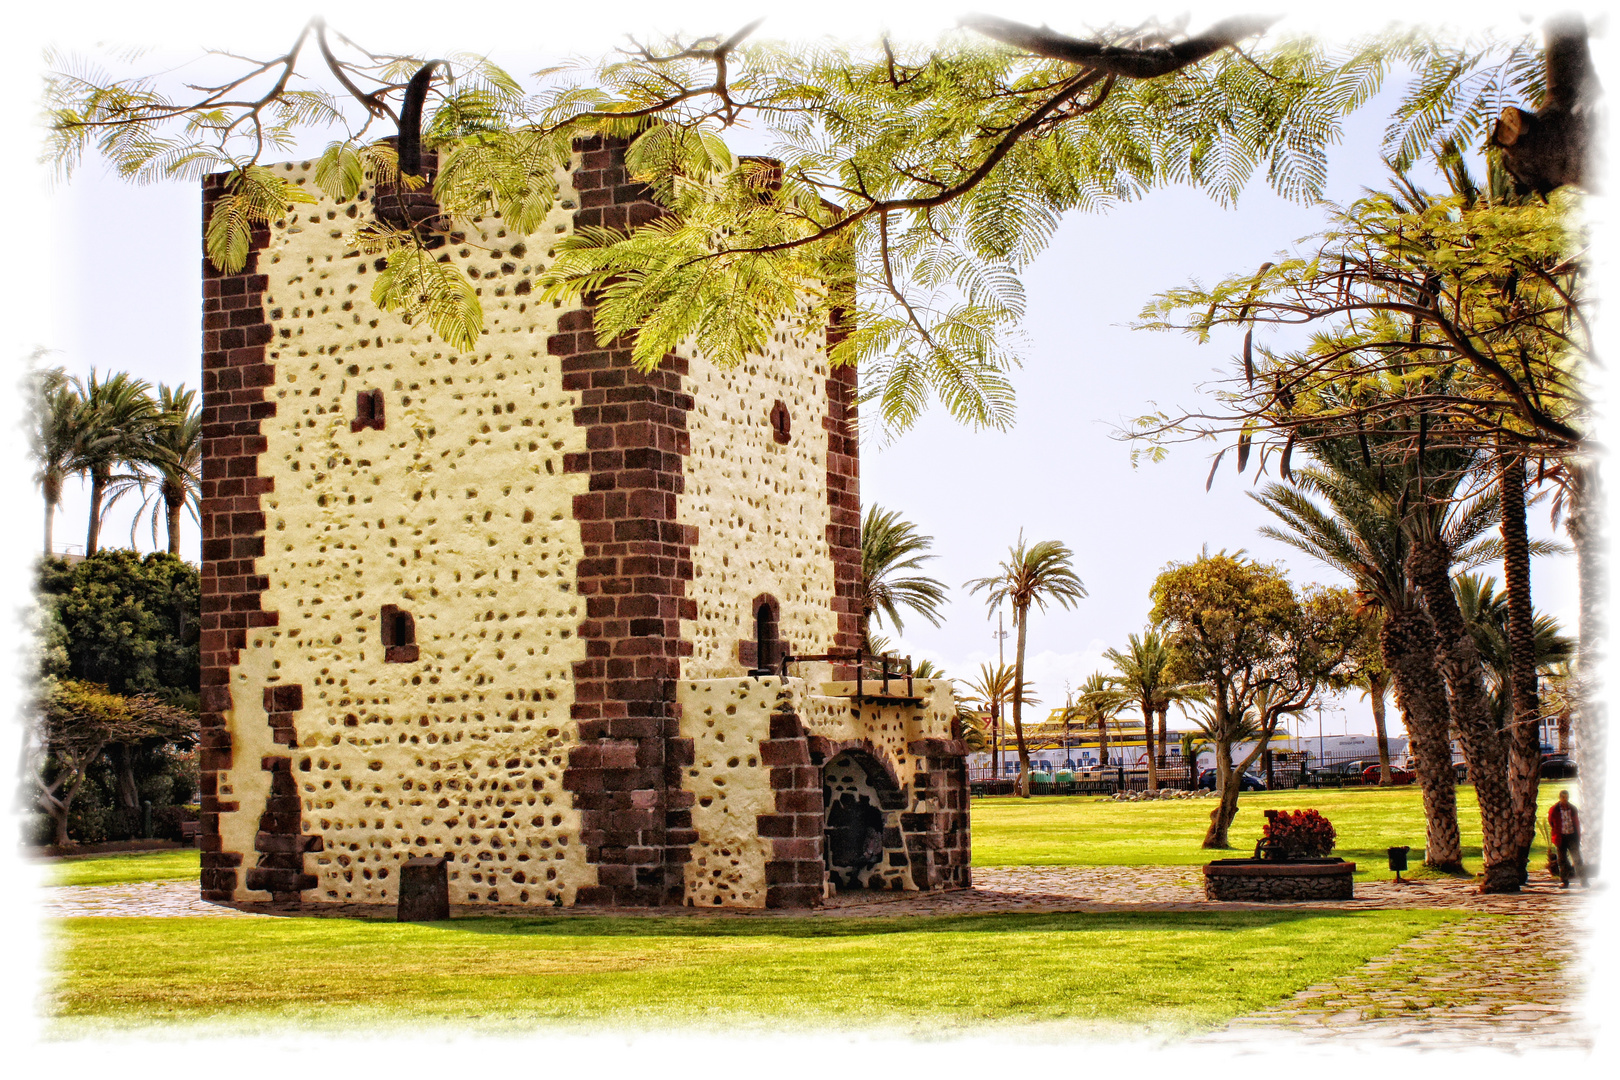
503,605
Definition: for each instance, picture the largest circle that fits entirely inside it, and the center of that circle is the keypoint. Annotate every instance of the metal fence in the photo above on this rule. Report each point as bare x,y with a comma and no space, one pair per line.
1277,771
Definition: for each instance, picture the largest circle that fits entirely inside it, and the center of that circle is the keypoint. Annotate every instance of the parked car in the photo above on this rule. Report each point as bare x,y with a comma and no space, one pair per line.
1397,775
1557,767
1247,782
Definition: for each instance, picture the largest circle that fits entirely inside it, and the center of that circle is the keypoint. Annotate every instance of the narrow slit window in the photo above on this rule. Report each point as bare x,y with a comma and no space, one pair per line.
766,645
398,635
368,410
781,423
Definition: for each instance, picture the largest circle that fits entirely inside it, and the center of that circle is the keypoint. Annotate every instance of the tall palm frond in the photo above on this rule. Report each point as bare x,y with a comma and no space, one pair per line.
172,450
1030,576
118,415
54,437
890,547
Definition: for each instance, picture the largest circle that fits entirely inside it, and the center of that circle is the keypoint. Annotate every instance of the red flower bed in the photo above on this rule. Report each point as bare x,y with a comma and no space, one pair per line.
1302,834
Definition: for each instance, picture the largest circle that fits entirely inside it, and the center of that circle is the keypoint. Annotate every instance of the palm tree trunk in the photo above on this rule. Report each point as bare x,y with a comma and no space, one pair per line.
1022,619
1147,743
1377,687
173,506
1102,742
92,535
995,741
1407,642
1429,565
1524,727
1585,524
50,520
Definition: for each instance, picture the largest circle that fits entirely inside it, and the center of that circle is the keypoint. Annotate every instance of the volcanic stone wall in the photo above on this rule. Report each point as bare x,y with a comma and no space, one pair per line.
758,499
495,604
455,509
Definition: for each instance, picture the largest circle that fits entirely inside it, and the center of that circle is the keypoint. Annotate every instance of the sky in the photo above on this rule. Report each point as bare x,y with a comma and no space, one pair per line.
1060,473
102,274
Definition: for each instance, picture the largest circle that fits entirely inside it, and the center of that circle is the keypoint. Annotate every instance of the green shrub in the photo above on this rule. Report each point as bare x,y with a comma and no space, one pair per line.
166,820
87,823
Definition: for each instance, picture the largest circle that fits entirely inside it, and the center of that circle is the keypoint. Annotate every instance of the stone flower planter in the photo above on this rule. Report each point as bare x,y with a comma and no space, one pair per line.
1277,879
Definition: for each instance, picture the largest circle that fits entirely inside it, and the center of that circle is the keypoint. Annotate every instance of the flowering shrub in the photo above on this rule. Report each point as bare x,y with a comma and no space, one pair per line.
1303,834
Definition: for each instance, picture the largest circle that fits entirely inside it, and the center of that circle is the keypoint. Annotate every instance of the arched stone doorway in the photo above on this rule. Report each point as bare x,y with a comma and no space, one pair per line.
864,848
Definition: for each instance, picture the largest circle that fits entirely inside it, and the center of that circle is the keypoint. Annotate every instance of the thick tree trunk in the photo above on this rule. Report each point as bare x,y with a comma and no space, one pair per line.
1524,723
1407,642
1377,687
1551,147
1102,742
1226,796
1585,524
1147,743
50,521
1022,619
1429,566
129,793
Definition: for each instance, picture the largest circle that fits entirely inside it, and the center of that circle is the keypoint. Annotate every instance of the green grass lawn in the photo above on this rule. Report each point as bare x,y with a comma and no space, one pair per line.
1060,830
1165,972
125,867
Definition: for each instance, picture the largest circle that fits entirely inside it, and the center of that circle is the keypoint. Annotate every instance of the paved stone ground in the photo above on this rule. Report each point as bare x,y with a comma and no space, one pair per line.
159,899
1507,982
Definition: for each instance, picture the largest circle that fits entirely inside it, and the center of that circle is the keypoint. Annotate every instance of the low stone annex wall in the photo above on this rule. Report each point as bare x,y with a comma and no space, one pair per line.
1243,879
763,769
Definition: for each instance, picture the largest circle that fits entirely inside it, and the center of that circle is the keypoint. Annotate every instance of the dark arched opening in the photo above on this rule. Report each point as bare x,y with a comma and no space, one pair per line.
862,845
763,655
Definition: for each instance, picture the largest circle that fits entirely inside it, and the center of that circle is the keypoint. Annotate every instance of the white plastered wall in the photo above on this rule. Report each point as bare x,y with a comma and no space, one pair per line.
459,512
727,719
760,506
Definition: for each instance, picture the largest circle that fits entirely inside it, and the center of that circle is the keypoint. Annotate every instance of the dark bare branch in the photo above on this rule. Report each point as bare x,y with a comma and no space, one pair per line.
1139,63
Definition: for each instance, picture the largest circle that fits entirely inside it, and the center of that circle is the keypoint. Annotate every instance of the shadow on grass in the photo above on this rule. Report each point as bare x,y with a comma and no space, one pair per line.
1000,923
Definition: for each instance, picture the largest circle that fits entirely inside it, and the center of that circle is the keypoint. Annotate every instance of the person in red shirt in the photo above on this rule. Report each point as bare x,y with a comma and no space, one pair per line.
1565,823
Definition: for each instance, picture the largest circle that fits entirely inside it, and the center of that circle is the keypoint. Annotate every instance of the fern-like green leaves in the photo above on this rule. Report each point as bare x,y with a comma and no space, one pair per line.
907,188
254,195
418,285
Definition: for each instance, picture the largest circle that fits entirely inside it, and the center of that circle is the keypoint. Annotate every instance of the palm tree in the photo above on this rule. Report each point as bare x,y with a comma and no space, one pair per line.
1030,576
1101,701
1359,532
118,414
890,547
993,689
55,435
173,451
1144,670
1235,728
1486,612
1191,747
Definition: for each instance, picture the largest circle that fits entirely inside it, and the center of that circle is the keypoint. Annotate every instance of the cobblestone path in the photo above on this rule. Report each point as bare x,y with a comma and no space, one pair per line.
160,899
1508,981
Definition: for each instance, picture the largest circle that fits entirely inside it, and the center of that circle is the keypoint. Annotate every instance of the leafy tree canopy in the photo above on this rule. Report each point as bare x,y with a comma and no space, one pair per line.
128,622
908,182
1457,320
